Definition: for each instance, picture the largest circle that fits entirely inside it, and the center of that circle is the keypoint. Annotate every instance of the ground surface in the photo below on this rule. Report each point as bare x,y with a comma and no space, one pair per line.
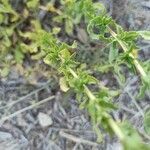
69,127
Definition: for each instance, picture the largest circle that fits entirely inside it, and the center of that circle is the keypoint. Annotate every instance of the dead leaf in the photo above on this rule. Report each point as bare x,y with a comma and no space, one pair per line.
82,35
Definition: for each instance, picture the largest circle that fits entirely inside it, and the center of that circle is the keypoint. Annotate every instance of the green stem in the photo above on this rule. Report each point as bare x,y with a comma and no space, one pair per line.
116,129
111,122
125,48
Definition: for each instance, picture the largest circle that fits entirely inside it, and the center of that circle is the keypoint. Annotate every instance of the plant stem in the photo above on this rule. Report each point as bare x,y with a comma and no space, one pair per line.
116,128
111,122
125,48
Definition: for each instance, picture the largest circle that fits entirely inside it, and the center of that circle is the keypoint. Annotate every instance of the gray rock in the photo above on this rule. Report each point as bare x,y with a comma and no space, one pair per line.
5,135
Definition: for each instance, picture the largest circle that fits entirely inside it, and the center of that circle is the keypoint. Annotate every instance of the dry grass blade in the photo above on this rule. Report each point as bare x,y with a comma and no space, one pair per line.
77,139
26,108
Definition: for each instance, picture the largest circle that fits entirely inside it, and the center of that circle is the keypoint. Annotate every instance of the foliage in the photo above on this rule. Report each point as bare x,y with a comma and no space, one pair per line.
147,122
41,44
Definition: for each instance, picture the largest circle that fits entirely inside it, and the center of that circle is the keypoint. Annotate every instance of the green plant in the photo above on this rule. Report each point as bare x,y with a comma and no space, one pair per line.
104,28
16,40
99,104
98,100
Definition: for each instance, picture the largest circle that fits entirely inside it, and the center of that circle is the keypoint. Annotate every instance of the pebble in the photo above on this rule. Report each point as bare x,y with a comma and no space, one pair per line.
5,135
44,120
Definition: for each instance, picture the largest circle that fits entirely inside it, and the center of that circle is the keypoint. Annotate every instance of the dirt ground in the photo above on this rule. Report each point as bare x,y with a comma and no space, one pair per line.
68,127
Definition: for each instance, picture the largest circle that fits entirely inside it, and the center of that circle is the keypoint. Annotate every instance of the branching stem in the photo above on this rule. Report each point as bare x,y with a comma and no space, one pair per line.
116,129
125,49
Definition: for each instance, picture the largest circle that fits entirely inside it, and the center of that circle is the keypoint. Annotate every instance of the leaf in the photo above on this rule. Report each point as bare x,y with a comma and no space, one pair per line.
145,34
69,26
104,68
119,73
99,24
33,48
65,54
32,3
100,7
92,111
82,35
5,9
5,71
147,122
91,79
99,134
1,18
51,8
107,105
113,53
132,140
19,56
74,45
63,84
38,55
56,30
142,90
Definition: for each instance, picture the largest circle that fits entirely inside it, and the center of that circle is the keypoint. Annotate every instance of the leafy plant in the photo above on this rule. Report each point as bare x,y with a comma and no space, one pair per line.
103,27
147,122
99,106
75,75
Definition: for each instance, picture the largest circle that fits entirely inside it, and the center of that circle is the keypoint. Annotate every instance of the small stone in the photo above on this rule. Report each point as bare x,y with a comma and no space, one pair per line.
44,120
5,136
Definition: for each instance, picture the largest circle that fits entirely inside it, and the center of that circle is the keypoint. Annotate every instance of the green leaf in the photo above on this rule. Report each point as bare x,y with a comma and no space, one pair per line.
119,73
65,54
104,68
5,9
56,30
106,104
63,84
5,71
92,111
99,134
132,140
1,18
144,34
142,90
69,26
32,3
19,56
99,24
147,122
113,53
